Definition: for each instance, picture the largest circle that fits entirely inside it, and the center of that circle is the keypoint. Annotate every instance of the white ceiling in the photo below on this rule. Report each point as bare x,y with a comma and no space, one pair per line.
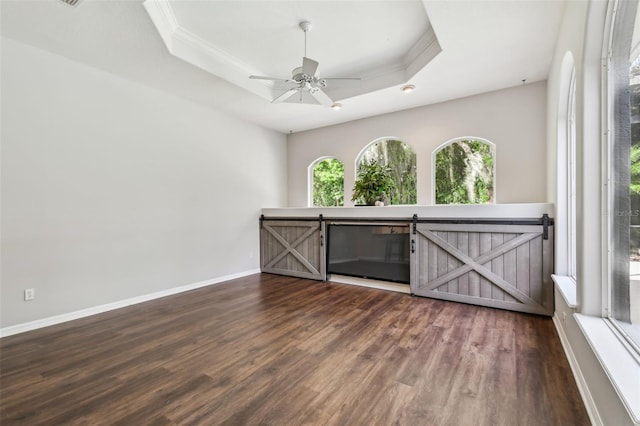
486,45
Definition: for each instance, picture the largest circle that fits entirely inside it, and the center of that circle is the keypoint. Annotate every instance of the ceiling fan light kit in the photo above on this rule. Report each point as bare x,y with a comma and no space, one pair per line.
305,79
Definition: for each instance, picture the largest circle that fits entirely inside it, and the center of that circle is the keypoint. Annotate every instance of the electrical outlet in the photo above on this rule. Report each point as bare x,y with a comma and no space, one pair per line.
29,293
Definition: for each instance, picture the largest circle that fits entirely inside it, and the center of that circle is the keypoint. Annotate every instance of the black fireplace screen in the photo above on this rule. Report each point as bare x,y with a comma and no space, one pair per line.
375,251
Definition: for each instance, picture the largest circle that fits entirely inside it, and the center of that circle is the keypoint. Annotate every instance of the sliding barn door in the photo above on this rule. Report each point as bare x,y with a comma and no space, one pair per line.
293,248
504,266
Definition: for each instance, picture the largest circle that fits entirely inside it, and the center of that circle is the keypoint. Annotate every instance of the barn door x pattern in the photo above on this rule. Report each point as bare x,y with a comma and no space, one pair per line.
293,248
502,266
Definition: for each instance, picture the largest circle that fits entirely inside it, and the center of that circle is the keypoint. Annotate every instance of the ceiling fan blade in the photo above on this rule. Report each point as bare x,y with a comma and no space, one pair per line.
346,79
342,82
281,86
286,95
257,77
320,96
309,66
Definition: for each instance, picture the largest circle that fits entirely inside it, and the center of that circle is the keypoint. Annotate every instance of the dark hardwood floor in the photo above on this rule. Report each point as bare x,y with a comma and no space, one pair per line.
272,350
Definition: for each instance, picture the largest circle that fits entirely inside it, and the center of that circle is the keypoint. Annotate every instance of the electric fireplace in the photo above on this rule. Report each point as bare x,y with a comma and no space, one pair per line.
369,250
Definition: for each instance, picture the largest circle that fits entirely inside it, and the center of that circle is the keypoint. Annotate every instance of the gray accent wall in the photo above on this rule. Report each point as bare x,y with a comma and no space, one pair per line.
112,190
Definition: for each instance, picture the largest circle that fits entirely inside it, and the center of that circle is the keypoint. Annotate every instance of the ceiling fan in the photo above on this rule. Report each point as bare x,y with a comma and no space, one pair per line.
305,79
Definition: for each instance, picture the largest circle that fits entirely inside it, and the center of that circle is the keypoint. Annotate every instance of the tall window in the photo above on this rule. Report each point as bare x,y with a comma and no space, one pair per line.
464,172
401,158
566,172
571,177
327,183
624,157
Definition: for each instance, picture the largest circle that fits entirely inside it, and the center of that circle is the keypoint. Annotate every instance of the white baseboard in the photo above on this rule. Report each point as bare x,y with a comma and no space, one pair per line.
587,399
57,319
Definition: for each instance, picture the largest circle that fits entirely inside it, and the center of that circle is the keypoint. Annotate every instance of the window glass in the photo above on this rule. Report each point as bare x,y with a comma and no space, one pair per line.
634,195
328,183
624,155
464,172
401,159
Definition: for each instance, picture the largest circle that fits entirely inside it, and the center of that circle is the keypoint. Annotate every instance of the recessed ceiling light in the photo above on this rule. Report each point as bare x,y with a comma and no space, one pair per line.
336,106
408,88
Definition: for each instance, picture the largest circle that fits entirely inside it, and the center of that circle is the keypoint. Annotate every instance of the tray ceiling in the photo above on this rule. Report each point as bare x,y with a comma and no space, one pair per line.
385,43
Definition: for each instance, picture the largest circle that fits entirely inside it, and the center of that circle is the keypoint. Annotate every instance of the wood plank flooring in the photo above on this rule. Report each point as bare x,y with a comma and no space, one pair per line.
272,350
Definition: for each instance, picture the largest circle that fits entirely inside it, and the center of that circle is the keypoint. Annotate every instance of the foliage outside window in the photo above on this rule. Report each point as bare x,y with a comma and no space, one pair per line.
464,173
328,183
400,159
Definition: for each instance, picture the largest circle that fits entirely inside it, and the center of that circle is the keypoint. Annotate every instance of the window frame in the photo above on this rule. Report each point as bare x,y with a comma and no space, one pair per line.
572,246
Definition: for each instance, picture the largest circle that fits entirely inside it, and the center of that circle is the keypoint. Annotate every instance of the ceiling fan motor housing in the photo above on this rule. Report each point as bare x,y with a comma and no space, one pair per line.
301,77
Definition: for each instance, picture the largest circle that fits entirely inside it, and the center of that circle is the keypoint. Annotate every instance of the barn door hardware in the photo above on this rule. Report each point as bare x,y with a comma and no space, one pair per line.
545,226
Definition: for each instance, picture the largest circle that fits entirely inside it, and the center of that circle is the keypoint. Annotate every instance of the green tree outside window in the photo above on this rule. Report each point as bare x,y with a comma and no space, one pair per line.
401,159
464,173
328,183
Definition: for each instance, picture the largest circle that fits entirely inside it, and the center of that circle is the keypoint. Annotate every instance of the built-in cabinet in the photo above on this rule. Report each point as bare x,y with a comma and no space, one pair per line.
504,264
293,247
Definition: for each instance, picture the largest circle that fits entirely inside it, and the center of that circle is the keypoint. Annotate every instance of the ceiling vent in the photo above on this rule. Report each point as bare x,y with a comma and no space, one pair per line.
70,2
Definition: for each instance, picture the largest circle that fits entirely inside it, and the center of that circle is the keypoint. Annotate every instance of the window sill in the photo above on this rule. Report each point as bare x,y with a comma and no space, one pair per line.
620,362
567,287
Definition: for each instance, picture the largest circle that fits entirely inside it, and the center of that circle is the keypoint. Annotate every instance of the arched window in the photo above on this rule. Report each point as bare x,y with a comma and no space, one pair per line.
464,172
327,183
566,172
401,159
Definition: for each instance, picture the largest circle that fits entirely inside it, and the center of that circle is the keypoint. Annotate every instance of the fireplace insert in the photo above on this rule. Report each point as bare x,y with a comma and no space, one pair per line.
369,250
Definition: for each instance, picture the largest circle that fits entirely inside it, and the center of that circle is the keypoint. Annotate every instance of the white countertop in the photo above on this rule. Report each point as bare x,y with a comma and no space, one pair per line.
464,211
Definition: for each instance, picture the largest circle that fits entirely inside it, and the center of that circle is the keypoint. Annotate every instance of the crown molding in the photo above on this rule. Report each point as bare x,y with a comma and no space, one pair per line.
421,53
163,19
187,46
197,51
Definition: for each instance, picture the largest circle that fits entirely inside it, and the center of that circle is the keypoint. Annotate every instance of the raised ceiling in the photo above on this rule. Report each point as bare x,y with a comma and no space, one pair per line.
485,46
384,43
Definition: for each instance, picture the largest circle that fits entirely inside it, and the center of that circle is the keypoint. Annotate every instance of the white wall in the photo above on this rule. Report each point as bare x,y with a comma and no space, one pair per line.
513,119
112,190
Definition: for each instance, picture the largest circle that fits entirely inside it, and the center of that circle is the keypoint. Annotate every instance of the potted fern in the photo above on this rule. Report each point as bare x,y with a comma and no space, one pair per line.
373,183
